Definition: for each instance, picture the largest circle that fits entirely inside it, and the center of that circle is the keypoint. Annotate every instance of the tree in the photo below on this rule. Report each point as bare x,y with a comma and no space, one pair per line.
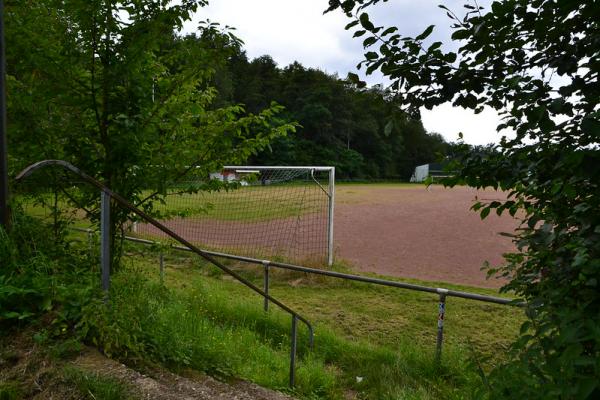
109,86
508,60
360,131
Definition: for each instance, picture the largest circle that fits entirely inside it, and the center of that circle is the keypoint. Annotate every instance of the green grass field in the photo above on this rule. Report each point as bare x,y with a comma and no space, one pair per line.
246,204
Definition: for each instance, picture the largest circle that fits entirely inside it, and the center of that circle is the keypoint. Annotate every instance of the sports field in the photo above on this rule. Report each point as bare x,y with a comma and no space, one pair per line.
402,230
414,232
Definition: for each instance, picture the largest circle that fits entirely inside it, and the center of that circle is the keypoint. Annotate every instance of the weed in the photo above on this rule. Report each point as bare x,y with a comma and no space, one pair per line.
95,386
10,391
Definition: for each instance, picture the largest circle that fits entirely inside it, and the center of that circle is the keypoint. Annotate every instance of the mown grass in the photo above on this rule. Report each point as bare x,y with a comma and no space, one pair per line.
244,204
377,343
248,203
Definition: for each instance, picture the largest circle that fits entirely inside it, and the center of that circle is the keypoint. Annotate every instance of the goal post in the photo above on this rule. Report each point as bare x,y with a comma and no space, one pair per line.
275,212
329,192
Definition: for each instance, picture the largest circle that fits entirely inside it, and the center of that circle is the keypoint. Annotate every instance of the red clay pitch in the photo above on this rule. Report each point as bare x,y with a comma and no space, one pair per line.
412,232
406,231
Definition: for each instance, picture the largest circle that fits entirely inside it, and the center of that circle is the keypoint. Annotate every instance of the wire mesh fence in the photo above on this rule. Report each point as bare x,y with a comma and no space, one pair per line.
264,212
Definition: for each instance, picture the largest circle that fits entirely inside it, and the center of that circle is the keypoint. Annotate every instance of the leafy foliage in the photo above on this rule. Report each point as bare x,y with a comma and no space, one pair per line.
95,385
536,62
109,86
42,276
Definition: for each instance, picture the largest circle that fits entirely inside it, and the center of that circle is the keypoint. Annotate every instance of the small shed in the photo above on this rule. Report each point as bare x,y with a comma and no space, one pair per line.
422,172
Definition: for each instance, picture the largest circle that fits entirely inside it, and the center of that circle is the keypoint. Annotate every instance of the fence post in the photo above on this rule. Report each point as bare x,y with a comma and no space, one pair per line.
105,240
266,283
293,351
440,324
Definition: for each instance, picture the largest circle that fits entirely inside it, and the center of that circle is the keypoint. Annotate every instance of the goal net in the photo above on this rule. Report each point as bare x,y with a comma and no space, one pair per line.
280,213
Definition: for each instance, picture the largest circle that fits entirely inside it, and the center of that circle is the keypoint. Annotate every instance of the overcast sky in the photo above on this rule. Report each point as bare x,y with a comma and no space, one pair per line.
297,30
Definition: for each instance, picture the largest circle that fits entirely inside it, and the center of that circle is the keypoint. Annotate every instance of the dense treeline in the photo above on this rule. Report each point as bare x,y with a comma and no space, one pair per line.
90,112
360,131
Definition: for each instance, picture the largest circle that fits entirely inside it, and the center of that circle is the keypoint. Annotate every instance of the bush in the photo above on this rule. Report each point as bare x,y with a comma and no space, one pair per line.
43,273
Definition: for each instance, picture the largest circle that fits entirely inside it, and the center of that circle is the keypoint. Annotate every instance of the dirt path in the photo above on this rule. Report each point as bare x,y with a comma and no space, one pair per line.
28,369
412,232
163,385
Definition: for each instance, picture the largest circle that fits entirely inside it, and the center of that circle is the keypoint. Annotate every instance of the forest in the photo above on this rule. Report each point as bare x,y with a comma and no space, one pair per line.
360,131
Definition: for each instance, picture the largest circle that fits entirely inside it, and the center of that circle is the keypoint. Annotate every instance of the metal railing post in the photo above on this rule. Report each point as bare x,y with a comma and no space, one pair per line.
105,240
440,324
266,284
293,351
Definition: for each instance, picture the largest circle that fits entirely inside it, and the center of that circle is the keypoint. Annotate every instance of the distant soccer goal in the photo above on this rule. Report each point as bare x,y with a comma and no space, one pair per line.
283,213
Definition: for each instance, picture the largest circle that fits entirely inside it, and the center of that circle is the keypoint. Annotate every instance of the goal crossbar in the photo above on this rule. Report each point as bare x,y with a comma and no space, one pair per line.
283,167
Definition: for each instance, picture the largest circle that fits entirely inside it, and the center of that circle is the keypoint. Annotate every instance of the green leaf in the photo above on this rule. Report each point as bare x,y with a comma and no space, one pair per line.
388,31
364,21
497,8
369,41
351,24
484,212
461,34
590,126
352,77
425,33
371,55
388,128
525,327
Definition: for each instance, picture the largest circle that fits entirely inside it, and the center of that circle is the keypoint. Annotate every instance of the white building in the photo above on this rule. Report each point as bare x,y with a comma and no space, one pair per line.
422,172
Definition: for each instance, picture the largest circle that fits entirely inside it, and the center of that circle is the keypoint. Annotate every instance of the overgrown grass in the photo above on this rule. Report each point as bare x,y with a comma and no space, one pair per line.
381,315
377,343
10,391
94,386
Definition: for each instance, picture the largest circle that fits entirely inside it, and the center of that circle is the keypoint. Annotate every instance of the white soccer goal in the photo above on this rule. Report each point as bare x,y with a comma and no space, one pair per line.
283,213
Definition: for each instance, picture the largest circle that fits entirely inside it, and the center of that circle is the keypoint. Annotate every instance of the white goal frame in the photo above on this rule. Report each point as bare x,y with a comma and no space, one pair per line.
329,191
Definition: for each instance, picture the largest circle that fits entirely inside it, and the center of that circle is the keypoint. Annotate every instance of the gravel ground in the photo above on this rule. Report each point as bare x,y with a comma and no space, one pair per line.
415,232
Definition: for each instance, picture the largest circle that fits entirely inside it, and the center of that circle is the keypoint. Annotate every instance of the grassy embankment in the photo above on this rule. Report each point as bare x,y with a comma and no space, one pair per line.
378,342
372,341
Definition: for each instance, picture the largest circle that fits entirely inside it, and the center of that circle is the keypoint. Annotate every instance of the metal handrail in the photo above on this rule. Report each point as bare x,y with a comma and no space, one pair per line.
334,274
441,292
127,205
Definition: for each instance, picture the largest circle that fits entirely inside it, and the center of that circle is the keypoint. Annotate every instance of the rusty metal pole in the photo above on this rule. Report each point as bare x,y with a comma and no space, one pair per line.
4,213
440,325
266,283
293,351
105,256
